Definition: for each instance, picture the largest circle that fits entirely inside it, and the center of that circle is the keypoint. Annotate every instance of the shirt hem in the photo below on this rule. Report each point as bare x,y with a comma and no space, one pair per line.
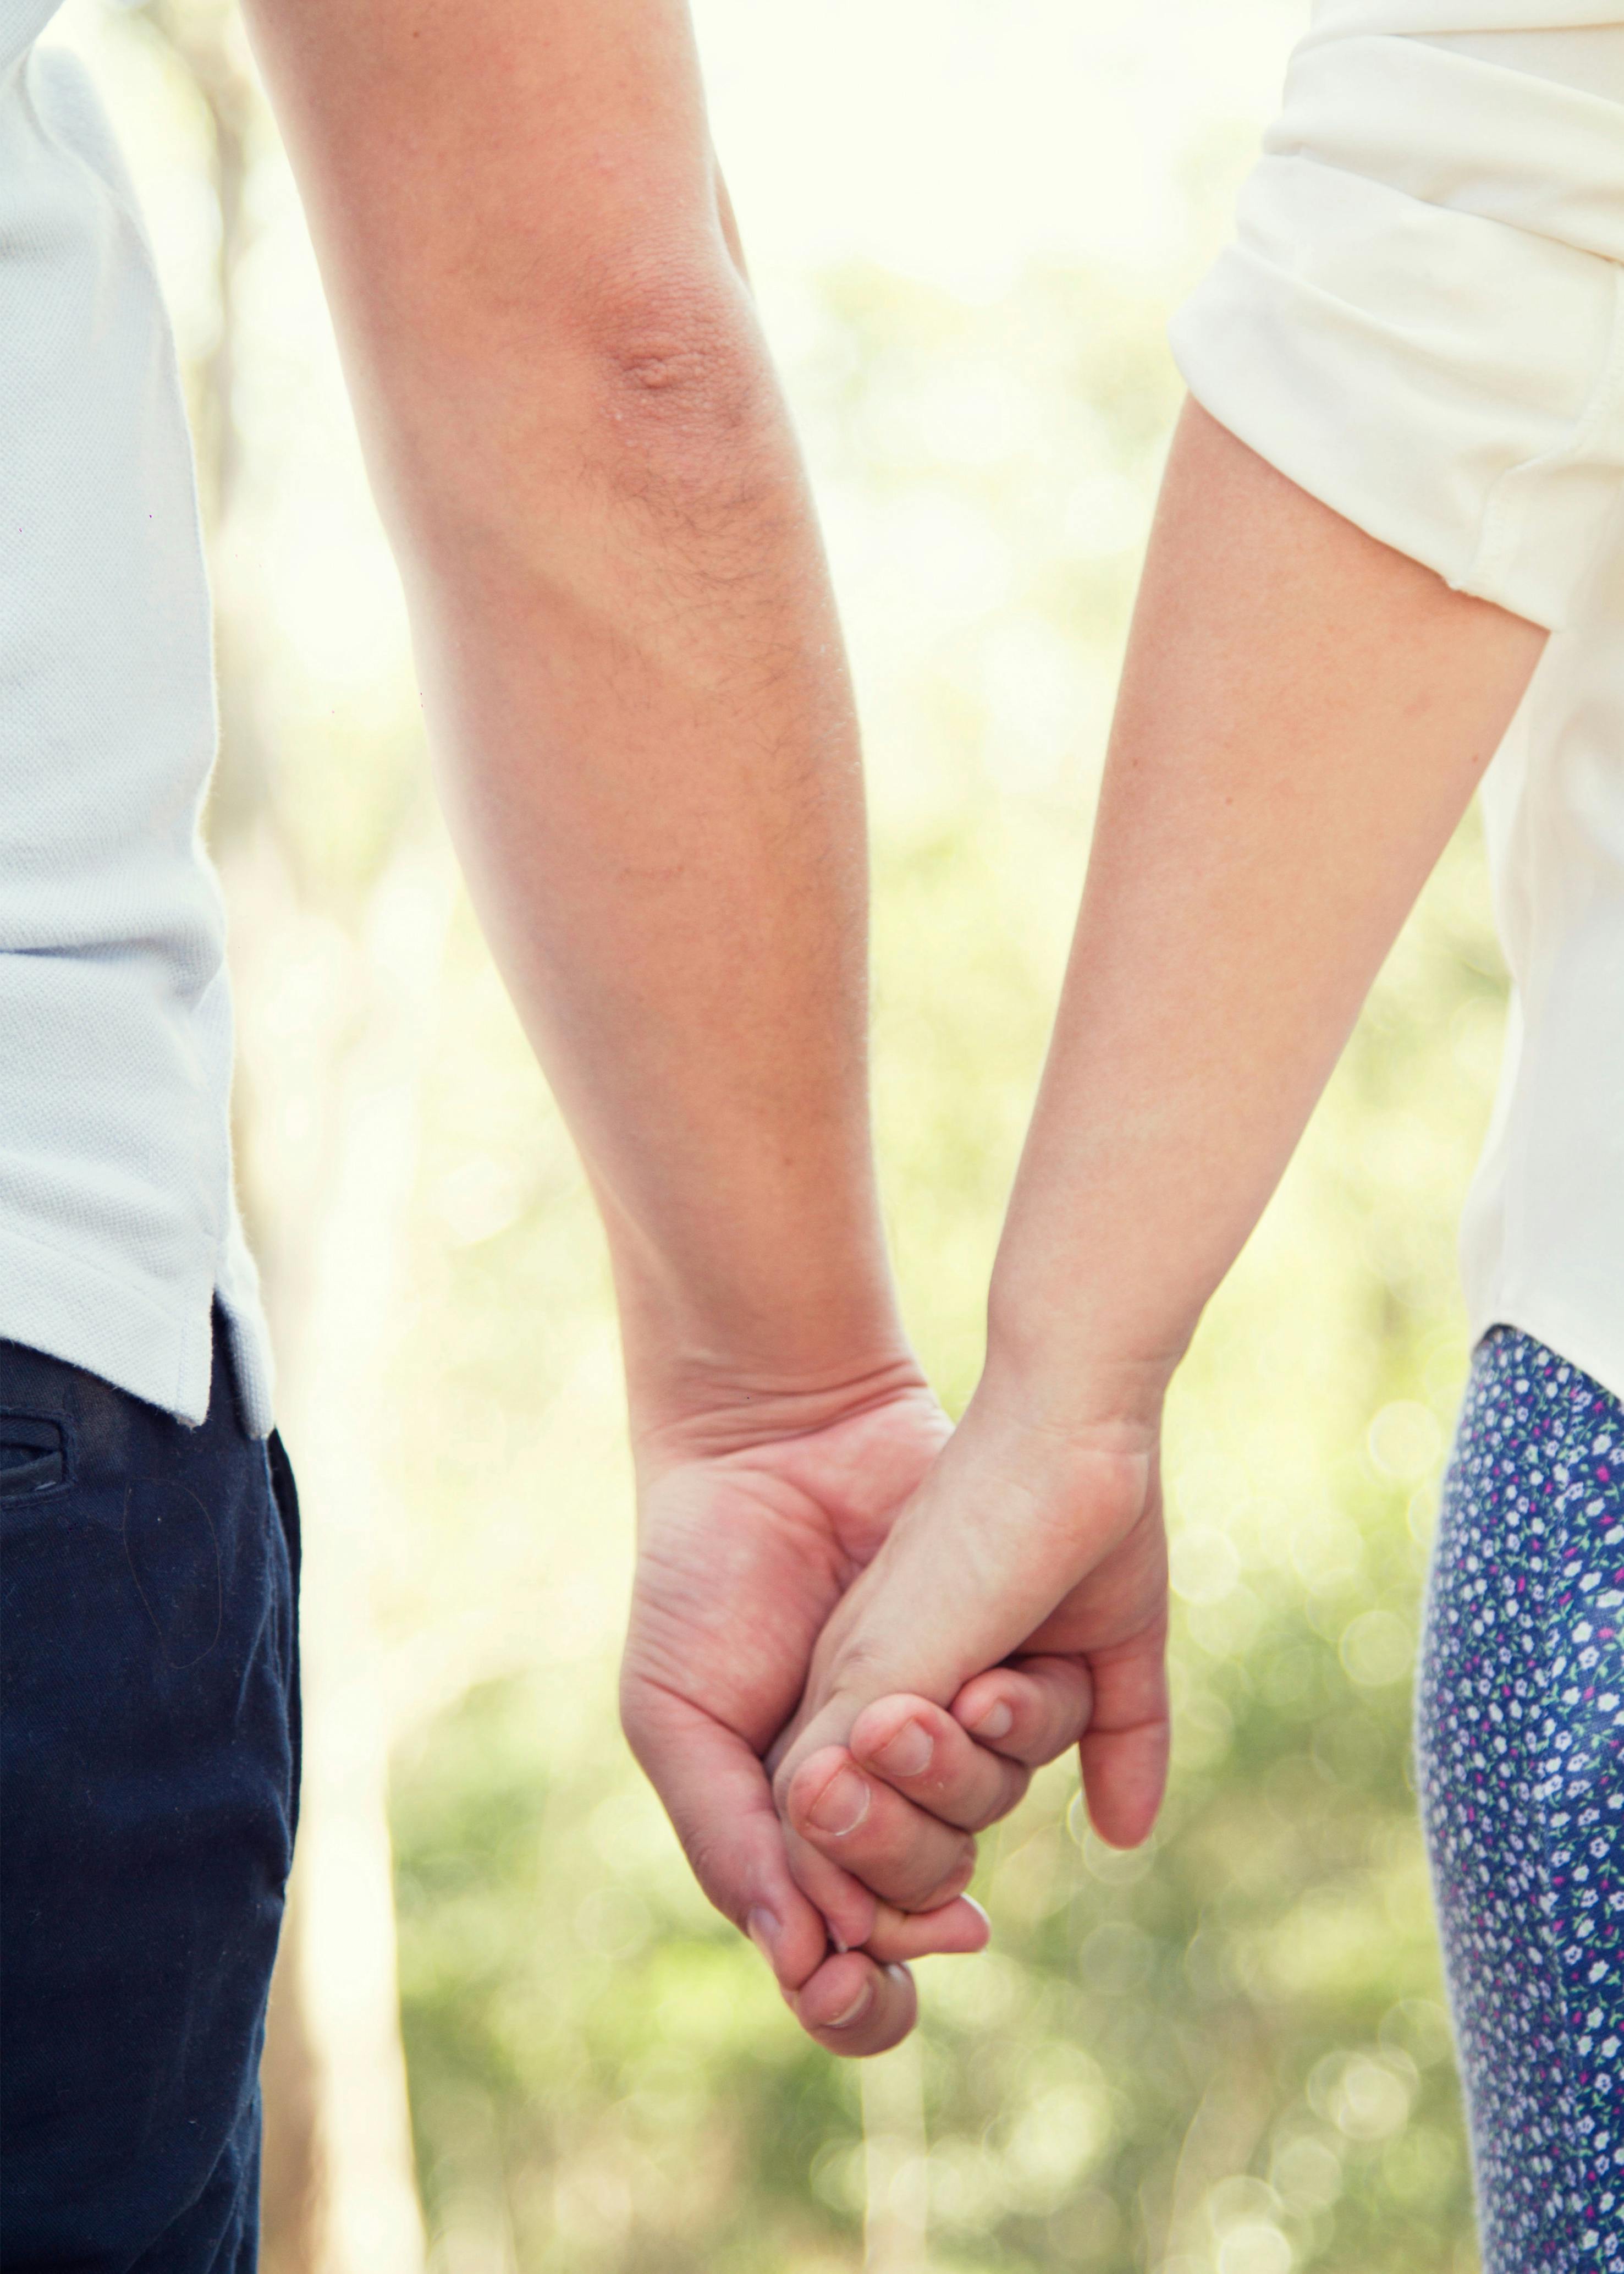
1581,1341
72,1308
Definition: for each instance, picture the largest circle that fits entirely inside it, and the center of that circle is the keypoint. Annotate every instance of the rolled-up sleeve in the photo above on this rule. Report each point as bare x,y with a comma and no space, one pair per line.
1421,321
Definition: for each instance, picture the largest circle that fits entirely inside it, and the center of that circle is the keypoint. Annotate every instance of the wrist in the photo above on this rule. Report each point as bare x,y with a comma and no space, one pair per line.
1078,1368
709,1416
704,1378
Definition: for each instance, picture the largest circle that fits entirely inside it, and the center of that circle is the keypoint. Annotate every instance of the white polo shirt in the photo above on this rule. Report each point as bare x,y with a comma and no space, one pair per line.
1421,321
117,1226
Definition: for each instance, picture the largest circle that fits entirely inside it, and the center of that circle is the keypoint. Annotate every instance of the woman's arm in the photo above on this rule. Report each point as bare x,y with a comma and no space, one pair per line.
1303,716
1420,322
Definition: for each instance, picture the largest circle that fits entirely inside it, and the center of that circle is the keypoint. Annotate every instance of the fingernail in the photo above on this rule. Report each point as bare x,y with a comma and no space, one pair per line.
858,2007
899,1972
837,1938
995,1722
764,1931
908,1752
979,1910
842,1804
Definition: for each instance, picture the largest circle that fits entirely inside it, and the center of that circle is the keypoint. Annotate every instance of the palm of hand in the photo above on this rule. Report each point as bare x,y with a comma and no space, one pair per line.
742,1556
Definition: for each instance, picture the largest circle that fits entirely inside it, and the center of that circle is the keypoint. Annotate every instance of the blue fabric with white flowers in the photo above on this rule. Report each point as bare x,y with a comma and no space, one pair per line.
1521,1753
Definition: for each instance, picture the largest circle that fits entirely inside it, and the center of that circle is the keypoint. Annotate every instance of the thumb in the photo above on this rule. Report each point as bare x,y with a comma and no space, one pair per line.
1123,1753
1001,1532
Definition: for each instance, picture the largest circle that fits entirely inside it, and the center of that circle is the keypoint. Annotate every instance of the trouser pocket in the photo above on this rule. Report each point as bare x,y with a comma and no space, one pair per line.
33,1456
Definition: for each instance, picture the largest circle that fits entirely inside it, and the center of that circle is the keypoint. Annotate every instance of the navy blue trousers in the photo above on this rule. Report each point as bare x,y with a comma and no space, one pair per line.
149,1761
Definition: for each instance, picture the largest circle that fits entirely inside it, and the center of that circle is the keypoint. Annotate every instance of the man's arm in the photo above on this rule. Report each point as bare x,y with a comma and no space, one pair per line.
1304,714
639,708
631,665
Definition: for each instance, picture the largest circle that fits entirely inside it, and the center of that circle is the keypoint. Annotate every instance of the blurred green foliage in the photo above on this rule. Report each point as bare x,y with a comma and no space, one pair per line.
1226,2052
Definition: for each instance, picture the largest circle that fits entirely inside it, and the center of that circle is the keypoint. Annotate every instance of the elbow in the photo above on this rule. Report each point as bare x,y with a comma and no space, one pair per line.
679,404
642,390
671,351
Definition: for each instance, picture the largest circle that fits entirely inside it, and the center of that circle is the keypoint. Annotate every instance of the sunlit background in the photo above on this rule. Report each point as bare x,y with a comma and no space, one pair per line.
508,2037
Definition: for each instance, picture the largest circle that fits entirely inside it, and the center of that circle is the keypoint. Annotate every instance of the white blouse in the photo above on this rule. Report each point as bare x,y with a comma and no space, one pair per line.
1421,322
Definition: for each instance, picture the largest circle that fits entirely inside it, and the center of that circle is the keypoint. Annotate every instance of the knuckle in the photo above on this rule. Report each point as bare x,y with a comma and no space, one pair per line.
1057,1730
926,1887
710,1863
1011,1789
905,1886
959,1879
861,1672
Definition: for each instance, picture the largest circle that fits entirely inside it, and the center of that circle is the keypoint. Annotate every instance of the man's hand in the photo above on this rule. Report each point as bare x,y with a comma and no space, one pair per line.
752,1528
1023,1589
754,1523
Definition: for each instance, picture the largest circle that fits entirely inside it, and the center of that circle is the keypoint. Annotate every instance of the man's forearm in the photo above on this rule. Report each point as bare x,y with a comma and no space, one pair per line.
1303,716
633,673
649,756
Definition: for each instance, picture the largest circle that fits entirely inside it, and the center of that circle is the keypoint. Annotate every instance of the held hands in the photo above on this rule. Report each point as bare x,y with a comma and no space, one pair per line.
752,1526
936,1626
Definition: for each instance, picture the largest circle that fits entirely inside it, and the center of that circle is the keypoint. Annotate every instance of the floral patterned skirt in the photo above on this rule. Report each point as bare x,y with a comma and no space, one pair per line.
1520,1743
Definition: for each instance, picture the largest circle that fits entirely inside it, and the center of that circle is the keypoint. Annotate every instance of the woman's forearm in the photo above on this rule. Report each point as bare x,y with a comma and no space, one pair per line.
1303,716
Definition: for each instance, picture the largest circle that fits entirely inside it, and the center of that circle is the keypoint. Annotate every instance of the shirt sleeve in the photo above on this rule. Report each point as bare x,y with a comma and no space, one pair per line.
1421,321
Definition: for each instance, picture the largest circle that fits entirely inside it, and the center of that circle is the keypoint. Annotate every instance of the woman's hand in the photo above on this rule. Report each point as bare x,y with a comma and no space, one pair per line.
1303,716
753,1524
1023,1589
